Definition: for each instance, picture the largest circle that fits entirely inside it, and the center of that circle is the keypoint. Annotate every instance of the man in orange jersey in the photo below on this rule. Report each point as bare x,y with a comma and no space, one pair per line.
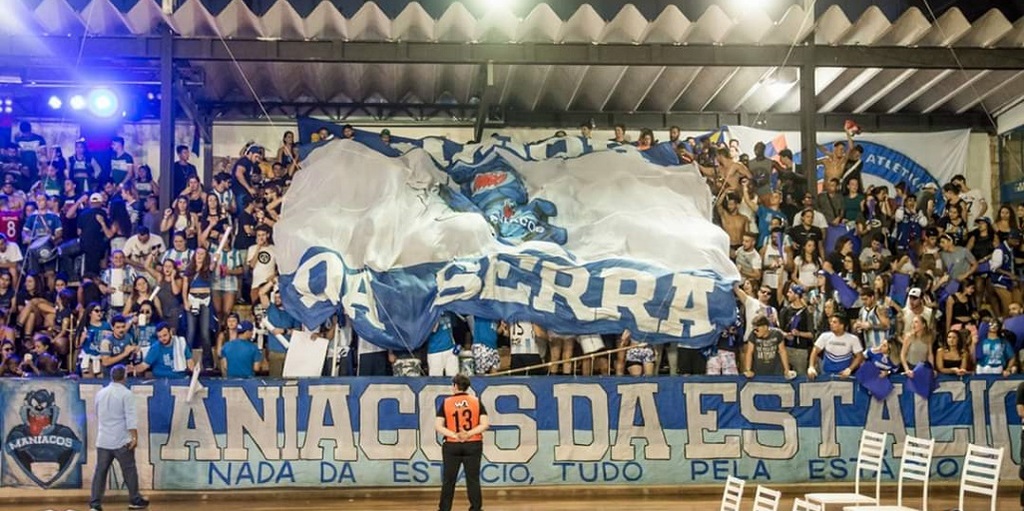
461,419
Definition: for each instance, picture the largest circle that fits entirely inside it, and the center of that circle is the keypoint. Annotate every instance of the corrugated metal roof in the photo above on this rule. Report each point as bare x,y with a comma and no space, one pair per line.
568,88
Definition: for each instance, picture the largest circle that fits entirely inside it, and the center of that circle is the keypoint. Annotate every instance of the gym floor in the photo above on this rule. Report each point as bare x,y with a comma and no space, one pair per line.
492,502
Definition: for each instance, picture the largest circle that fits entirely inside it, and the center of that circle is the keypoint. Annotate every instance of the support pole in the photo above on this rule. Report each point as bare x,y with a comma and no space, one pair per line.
487,97
166,116
207,120
809,107
808,128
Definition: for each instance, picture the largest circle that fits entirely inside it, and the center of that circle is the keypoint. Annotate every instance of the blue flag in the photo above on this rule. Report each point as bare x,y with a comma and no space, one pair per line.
899,288
847,294
923,381
870,377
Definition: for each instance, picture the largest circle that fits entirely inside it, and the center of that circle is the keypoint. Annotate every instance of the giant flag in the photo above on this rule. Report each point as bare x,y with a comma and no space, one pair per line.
571,236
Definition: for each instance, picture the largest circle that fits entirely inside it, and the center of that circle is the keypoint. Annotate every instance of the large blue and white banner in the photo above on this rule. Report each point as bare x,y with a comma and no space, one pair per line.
576,237
546,431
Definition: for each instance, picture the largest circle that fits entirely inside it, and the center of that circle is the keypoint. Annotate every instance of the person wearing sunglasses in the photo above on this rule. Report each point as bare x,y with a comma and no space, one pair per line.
96,328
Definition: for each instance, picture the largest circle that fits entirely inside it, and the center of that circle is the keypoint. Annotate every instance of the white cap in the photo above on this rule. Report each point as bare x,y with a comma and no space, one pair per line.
96,197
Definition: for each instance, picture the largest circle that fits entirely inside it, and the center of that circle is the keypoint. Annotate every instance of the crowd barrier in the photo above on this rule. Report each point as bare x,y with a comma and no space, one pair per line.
363,432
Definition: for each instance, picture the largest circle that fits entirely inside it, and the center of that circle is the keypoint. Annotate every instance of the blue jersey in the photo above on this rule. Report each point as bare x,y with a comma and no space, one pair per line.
145,336
93,336
112,346
907,230
994,353
881,361
240,355
485,332
41,224
873,337
161,360
441,339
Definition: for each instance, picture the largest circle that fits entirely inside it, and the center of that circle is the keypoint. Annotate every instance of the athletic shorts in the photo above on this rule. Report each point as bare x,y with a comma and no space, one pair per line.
486,358
723,363
640,355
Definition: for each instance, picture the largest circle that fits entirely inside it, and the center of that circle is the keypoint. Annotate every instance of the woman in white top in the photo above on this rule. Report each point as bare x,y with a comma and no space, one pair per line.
180,219
807,264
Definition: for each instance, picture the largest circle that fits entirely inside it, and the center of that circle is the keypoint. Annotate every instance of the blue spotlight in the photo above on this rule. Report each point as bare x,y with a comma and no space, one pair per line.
103,103
77,102
55,103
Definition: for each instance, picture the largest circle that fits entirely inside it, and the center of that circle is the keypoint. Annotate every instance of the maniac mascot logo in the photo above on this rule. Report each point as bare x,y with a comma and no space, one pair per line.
43,448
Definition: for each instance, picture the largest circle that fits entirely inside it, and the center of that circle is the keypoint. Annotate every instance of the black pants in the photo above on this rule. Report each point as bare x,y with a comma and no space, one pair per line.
466,455
691,362
126,460
1022,467
93,260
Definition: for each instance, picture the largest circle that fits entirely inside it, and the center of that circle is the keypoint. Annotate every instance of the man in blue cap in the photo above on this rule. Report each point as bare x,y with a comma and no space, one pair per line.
240,358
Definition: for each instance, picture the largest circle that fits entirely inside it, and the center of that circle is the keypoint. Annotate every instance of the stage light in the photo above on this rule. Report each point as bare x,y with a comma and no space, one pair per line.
77,102
8,102
103,103
8,109
55,103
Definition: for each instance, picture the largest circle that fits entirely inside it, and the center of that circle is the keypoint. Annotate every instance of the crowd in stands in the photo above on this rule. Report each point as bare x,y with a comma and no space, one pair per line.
94,272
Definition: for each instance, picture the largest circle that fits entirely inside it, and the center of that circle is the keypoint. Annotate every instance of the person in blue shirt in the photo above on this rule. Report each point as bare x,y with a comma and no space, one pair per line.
95,330
169,358
240,358
485,344
283,324
117,437
441,357
118,345
994,354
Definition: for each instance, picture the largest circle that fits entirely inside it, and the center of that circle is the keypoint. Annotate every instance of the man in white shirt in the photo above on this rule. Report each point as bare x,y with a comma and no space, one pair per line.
748,259
117,436
841,351
977,207
141,245
818,220
117,280
10,257
261,260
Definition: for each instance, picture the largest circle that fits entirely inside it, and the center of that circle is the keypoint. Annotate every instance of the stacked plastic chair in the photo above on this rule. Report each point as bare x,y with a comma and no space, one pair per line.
733,494
980,474
916,465
870,456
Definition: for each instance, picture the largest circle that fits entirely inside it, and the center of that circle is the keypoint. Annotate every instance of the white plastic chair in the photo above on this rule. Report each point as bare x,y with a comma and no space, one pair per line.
915,466
766,499
869,458
733,494
980,474
803,505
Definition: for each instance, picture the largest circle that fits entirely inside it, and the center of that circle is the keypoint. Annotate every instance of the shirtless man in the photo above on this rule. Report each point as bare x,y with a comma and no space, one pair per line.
729,172
835,161
733,222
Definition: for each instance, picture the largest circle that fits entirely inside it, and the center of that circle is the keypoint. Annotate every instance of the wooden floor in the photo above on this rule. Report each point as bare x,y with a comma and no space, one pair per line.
677,503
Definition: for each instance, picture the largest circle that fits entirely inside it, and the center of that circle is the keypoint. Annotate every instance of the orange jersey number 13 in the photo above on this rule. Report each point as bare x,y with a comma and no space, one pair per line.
462,413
